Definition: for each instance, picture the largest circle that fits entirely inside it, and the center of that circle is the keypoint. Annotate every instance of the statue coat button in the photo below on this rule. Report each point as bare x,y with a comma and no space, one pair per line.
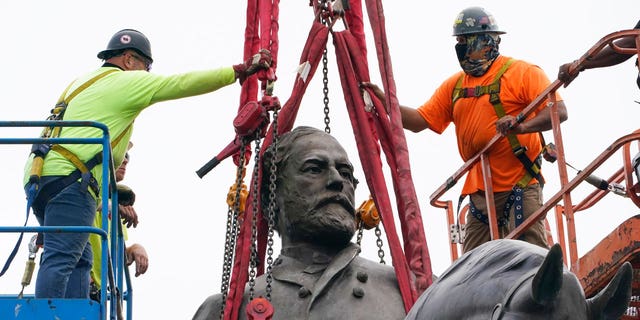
358,292
303,292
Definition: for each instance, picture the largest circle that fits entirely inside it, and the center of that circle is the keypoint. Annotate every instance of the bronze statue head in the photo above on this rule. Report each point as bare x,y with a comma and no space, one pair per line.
314,188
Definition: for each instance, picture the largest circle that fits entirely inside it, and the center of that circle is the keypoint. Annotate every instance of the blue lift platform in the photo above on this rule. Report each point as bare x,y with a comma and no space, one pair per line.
116,304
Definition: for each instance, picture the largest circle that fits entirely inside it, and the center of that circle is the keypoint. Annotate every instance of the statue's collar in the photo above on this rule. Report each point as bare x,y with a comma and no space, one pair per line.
304,264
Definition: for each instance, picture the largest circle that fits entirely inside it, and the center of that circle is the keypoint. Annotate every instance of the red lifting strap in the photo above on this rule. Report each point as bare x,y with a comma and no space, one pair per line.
351,58
352,72
415,244
312,54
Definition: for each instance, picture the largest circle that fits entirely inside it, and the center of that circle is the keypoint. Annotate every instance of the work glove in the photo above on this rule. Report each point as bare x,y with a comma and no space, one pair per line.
126,196
567,72
259,61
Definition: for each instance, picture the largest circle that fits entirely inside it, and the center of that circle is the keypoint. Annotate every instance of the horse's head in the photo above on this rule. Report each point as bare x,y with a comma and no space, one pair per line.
552,292
514,280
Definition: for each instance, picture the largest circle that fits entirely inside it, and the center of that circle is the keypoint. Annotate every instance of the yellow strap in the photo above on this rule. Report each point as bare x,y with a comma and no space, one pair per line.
513,140
76,160
493,88
64,101
70,156
457,91
497,104
85,85
115,141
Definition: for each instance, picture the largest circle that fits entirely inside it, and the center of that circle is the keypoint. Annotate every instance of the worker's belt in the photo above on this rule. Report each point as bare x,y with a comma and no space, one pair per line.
52,188
515,199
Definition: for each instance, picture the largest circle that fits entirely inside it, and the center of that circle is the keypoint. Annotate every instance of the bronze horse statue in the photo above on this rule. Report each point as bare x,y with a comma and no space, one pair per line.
513,280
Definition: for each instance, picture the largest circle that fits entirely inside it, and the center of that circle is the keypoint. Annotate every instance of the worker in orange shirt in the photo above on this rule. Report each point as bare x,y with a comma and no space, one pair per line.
481,100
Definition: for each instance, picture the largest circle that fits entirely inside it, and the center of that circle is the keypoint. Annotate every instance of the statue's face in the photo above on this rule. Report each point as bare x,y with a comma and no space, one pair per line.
316,192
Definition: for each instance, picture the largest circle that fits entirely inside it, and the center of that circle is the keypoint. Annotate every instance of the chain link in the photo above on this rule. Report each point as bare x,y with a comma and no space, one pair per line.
325,76
254,221
359,234
231,232
379,244
272,203
325,89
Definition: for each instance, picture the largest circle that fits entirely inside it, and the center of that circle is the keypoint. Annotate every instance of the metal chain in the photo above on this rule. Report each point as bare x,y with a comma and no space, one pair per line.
359,234
226,265
325,89
325,76
272,203
254,222
379,244
232,232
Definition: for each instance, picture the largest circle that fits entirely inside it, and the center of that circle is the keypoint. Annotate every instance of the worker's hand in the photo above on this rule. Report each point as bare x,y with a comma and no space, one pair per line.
374,87
567,72
259,61
128,215
126,196
338,9
376,91
507,124
136,253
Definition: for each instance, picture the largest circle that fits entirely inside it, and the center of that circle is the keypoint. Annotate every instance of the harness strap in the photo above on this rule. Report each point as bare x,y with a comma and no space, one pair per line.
532,168
57,113
70,156
64,100
34,191
83,170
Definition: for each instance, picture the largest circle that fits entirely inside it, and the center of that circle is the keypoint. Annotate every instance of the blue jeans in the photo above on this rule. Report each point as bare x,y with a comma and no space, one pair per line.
66,260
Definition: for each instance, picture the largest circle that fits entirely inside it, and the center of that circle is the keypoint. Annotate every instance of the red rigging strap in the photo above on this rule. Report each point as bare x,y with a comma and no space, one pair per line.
352,63
251,46
352,72
415,243
353,16
269,28
311,56
263,15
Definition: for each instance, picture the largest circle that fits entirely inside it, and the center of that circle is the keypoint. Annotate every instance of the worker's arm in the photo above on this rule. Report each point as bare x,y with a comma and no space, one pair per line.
411,118
541,122
605,58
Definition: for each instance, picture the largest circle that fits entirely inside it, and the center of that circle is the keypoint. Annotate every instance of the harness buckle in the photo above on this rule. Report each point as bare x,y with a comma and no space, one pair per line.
457,232
473,92
519,150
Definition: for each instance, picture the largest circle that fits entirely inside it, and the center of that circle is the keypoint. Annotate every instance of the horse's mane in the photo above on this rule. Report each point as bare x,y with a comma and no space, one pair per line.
500,262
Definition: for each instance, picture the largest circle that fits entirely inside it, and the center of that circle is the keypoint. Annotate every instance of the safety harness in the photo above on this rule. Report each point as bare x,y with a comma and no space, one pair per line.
37,192
532,167
83,169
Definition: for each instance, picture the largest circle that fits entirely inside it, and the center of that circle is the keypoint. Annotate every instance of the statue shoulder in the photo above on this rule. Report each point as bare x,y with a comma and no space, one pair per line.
210,307
373,269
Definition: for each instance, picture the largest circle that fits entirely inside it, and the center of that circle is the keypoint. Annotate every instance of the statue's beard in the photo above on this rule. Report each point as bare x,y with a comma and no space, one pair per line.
332,227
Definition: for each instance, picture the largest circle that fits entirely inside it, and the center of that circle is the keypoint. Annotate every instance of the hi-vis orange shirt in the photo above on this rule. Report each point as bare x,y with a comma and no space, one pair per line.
474,119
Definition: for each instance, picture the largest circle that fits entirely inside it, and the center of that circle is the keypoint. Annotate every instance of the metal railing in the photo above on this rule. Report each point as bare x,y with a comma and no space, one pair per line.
112,261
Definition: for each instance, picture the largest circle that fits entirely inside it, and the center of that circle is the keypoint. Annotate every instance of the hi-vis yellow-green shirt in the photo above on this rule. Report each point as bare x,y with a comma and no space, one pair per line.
96,245
116,100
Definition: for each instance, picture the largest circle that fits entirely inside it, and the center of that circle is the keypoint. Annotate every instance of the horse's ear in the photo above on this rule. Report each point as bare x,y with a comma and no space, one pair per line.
613,300
547,282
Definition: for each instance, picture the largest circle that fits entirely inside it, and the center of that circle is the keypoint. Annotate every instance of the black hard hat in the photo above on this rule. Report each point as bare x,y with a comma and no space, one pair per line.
474,20
128,39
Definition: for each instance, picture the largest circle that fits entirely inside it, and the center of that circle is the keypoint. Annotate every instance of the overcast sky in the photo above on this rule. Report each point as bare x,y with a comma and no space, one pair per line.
46,44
